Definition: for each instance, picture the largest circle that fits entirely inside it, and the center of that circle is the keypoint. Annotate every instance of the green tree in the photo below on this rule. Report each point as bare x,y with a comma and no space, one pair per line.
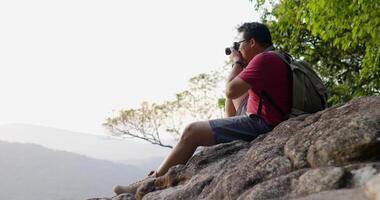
339,38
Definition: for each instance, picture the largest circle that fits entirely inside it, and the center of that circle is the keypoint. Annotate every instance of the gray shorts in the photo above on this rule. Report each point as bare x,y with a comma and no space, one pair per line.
243,127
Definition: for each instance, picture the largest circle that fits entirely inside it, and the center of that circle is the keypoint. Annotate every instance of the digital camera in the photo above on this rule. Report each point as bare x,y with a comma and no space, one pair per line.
235,46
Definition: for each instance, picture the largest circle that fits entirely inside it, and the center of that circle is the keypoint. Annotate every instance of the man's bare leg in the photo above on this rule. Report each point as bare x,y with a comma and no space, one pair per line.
196,134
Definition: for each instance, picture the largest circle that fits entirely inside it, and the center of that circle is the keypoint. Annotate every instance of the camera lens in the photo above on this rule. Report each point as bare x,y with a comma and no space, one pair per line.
227,51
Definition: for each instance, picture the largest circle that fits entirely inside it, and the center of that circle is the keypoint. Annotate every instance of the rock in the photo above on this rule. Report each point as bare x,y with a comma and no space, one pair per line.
372,188
275,188
318,180
100,199
343,194
337,135
332,154
125,196
369,191
362,175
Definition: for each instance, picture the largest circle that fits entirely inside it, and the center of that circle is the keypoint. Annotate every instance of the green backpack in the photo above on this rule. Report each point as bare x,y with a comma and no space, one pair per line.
308,93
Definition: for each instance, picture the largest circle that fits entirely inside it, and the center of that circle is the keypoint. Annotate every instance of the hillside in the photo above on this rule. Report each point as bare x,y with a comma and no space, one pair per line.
130,152
33,172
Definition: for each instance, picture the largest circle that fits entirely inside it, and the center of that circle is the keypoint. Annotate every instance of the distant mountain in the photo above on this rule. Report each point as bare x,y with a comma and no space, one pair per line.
135,152
32,172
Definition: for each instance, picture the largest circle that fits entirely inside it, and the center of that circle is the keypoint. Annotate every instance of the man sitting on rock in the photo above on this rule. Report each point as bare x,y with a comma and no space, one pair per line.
254,70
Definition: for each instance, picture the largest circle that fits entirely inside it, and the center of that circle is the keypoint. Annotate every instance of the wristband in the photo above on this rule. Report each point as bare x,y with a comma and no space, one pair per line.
243,65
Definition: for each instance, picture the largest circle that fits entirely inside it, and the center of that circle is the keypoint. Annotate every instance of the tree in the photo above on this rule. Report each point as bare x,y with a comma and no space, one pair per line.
151,120
339,38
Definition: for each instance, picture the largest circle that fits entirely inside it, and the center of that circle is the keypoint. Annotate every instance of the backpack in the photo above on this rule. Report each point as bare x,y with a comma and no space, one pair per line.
308,94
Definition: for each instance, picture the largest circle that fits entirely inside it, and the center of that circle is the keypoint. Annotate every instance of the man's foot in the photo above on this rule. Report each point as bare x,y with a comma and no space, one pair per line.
132,188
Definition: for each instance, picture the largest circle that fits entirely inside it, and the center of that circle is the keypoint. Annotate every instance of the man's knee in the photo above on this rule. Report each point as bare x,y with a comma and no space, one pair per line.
189,132
197,133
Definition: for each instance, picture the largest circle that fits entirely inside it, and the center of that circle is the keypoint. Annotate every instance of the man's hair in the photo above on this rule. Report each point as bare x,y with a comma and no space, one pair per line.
257,31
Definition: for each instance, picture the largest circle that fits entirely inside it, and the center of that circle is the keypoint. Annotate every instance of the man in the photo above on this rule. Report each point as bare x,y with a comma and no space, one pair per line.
254,71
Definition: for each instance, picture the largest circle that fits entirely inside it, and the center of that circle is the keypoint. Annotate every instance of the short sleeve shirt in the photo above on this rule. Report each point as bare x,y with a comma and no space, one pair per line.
266,71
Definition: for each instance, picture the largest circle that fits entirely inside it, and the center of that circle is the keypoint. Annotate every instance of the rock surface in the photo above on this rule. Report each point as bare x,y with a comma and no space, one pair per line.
332,154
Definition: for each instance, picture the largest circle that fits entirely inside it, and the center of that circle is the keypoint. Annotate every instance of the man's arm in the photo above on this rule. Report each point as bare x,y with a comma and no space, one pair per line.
233,105
235,85
234,89
230,105
230,108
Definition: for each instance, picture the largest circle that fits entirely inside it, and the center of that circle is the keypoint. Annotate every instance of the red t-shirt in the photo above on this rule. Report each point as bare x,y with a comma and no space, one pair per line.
266,71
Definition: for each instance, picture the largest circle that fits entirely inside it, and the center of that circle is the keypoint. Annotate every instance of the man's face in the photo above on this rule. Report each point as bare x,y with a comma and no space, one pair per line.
246,48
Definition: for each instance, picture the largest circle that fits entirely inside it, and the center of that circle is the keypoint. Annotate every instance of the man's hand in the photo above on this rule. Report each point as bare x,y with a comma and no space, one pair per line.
236,56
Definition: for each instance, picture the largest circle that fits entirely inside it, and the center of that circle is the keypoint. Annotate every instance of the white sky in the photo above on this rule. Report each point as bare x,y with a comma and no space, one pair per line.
69,64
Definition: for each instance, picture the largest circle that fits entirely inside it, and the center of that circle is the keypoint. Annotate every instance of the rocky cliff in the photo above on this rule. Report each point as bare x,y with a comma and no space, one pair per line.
332,154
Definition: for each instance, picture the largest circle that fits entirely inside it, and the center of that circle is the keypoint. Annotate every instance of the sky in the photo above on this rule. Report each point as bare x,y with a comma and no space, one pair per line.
71,64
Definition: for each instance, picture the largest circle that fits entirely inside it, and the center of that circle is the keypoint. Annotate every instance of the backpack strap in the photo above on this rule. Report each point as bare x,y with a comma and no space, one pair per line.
263,94
260,106
287,58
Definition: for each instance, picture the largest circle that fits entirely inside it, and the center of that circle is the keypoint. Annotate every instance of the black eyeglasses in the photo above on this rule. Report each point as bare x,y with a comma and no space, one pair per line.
241,41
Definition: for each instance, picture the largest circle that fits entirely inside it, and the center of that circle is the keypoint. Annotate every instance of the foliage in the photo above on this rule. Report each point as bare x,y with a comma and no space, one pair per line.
339,38
151,120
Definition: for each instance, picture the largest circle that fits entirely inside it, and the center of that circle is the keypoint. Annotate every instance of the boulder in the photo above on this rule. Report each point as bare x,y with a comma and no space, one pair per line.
331,154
